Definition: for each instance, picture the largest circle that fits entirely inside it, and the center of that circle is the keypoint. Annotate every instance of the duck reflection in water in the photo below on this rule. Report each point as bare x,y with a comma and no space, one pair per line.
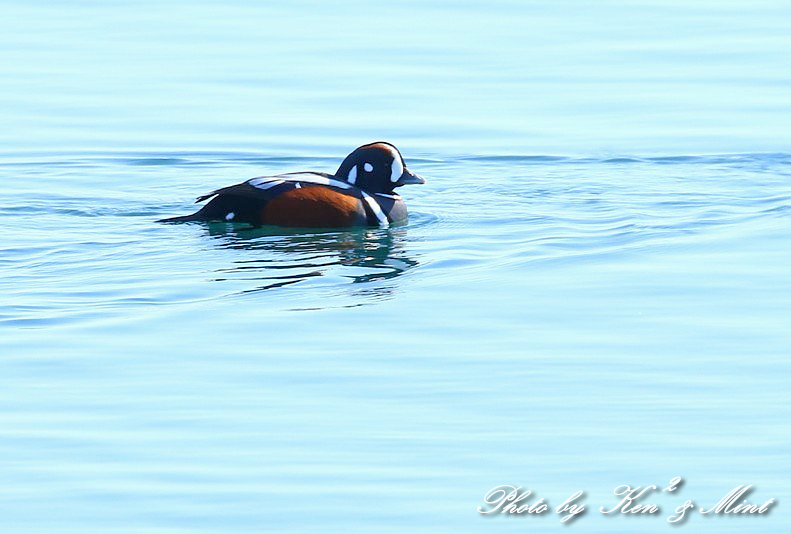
283,256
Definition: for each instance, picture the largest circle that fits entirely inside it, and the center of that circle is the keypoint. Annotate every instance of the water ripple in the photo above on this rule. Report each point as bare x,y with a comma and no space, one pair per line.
477,212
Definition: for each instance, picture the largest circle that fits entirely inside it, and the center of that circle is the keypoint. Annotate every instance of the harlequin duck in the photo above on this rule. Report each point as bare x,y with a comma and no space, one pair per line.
360,193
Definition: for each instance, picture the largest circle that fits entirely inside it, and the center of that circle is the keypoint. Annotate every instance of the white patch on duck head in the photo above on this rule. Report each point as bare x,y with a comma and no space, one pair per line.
230,216
397,168
353,175
368,167
397,165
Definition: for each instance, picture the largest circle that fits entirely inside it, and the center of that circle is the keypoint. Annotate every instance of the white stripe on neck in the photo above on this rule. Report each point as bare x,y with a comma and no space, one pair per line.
376,208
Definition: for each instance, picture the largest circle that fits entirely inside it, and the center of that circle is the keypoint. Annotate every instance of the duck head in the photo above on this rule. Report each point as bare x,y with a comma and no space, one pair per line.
376,168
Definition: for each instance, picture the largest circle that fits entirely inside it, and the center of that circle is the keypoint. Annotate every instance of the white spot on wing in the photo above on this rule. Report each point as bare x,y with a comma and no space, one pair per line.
230,216
265,182
368,167
353,175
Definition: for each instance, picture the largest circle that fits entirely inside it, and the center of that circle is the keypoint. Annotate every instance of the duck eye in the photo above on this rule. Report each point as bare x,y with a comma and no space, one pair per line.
368,167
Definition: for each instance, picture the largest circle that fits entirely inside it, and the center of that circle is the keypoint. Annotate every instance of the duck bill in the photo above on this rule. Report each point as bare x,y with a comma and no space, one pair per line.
408,178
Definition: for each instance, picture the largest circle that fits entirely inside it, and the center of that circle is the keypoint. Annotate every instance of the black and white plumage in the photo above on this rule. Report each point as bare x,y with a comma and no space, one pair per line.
360,193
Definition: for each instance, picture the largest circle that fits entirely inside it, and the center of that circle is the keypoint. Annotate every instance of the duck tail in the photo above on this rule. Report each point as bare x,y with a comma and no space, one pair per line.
184,218
200,215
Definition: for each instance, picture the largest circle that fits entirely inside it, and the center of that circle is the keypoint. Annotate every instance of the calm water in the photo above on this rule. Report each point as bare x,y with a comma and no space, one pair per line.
593,288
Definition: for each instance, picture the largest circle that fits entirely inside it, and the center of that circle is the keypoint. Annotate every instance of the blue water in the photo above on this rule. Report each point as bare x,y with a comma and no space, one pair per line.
593,288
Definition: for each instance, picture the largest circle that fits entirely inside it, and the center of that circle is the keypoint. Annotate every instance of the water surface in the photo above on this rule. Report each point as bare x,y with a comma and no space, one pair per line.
592,289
